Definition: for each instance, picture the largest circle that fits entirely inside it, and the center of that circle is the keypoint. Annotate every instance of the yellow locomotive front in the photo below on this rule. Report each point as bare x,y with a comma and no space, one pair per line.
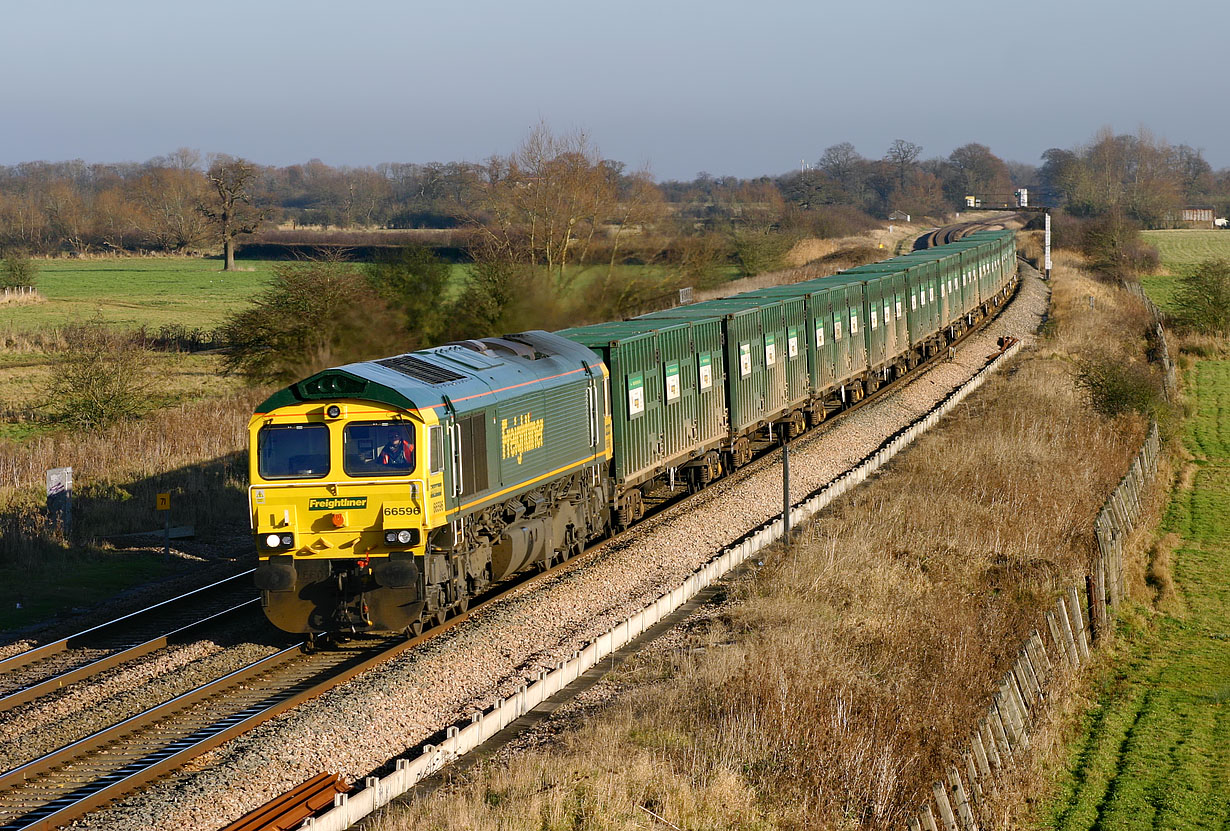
343,495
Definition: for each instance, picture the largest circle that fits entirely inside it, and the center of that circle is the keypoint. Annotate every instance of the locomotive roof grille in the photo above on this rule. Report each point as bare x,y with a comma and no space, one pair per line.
420,370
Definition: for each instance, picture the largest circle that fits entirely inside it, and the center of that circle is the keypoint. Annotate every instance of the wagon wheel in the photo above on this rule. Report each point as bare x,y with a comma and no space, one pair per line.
415,628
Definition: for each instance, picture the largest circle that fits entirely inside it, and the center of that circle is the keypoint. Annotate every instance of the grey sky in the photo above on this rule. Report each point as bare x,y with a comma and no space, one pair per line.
740,88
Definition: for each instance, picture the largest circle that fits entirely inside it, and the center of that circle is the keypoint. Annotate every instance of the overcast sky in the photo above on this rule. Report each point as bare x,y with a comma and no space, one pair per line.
733,88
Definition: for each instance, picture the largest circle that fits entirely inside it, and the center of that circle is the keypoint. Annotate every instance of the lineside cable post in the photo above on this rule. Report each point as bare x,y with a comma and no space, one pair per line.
786,491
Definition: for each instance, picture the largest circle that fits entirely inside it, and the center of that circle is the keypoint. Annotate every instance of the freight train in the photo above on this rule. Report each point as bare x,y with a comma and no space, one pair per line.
386,494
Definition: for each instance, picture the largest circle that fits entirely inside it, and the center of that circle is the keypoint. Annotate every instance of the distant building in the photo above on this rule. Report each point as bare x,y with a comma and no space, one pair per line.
1197,217
899,216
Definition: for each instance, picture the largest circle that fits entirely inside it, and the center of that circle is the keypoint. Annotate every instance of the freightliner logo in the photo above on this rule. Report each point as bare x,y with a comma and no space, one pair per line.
334,503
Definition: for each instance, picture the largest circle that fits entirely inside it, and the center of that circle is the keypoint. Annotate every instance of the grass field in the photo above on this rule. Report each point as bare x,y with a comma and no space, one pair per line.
1181,249
22,604
1184,247
131,292
1154,751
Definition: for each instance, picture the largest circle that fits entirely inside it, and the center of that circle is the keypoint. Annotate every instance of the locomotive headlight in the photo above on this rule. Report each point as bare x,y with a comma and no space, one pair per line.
287,539
334,411
390,537
404,537
273,540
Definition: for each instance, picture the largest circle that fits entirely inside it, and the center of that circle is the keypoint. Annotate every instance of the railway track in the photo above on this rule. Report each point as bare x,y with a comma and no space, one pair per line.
952,233
75,779
37,672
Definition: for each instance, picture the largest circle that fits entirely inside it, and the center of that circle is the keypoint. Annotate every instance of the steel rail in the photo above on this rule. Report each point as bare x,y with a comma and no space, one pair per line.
56,682
291,808
39,653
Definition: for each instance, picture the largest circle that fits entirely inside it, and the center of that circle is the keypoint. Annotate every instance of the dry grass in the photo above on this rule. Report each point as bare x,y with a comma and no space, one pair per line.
194,451
836,684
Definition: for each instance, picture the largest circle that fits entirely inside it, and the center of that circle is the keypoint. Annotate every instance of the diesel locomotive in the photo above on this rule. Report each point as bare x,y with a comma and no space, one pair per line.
385,494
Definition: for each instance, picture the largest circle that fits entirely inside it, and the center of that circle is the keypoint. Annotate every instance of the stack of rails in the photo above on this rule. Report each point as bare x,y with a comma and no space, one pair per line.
529,446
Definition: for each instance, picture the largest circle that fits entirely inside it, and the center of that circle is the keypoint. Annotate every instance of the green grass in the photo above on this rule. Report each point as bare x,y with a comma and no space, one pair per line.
80,584
134,291
1185,247
1154,752
1180,250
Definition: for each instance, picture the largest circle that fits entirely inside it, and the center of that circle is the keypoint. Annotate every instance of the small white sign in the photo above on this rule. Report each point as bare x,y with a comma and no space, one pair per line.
672,387
819,336
745,360
792,346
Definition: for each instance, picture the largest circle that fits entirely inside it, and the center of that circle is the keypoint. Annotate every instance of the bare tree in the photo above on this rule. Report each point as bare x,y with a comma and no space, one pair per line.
901,154
543,205
169,196
844,164
231,212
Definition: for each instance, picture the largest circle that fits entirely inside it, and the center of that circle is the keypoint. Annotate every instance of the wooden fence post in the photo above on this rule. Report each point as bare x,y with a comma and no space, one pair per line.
963,809
1065,626
1052,623
941,801
980,755
1078,622
986,738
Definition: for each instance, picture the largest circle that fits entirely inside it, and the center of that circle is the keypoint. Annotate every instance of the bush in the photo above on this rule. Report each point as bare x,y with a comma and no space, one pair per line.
759,251
1115,248
18,271
312,316
1115,387
100,377
413,281
1203,298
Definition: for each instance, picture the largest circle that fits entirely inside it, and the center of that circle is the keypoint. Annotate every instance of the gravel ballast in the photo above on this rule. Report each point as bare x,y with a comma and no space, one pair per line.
383,713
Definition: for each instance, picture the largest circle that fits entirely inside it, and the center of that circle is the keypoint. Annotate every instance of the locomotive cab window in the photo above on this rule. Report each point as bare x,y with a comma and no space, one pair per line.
293,451
378,448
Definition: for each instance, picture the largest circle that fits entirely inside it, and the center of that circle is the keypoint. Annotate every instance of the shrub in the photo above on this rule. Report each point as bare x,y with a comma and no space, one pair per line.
759,251
1115,248
18,271
1203,298
1115,387
99,378
413,281
313,315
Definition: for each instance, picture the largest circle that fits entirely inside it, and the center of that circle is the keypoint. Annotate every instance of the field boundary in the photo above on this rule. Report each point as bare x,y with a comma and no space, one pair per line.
1002,736
461,739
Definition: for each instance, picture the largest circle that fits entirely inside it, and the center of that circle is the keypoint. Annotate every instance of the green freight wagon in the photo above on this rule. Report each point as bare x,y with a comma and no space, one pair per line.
826,307
888,299
757,364
668,396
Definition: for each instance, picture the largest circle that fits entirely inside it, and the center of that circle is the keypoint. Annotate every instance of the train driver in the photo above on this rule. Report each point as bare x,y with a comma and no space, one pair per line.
397,450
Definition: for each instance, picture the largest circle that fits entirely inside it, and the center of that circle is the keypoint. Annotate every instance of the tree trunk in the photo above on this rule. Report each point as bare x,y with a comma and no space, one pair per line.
228,245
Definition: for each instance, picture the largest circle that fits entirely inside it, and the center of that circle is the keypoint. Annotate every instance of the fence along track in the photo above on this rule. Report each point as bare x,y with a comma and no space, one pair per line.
1002,736
461,739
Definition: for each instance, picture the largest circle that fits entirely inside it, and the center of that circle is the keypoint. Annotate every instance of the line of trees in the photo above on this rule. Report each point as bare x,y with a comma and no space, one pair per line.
184,202
1140,176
